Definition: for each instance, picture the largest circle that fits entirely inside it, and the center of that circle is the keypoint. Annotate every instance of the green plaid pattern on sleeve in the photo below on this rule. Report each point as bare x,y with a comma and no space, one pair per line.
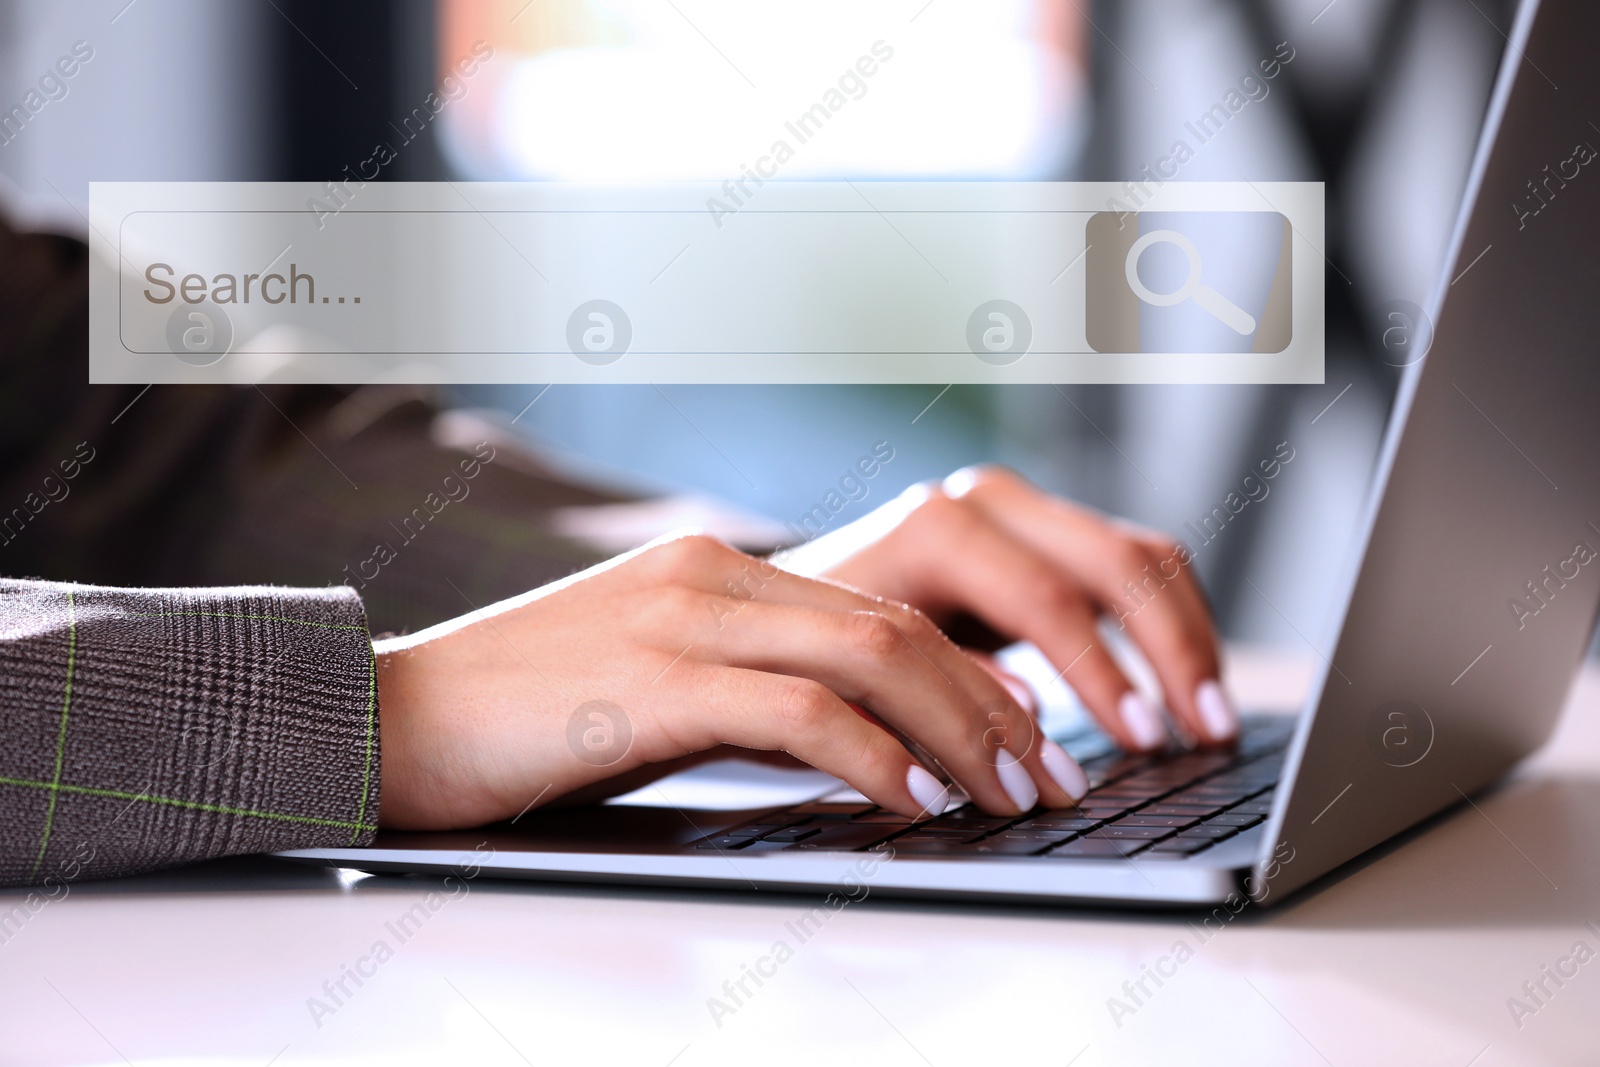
147,728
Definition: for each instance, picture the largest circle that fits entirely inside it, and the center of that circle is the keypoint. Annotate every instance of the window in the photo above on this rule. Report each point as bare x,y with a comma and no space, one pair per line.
640,90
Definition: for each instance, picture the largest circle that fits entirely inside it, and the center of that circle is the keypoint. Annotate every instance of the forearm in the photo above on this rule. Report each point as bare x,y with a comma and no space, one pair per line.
296,485
146,728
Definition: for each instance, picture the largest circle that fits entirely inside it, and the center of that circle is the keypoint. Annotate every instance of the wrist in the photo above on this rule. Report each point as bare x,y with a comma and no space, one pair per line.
401,805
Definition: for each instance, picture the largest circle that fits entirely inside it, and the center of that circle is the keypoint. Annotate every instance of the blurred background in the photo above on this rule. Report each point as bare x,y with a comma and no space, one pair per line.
1380,99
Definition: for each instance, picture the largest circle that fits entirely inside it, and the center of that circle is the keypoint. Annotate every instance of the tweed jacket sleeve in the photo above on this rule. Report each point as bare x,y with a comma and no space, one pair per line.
146,728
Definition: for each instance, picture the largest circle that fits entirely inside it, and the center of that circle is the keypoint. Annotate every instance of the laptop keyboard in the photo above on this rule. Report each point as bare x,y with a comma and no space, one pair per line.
1170,806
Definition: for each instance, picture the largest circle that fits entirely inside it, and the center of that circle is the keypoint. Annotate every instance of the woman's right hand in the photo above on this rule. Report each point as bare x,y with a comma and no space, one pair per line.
677,648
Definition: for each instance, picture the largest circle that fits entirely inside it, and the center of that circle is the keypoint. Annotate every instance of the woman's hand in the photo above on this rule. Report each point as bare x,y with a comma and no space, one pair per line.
992,560
686,645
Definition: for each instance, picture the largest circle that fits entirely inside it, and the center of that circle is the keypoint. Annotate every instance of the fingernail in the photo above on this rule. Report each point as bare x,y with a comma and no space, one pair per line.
927,791
1016,781
1020,693
1215,712
1064,770
1141,720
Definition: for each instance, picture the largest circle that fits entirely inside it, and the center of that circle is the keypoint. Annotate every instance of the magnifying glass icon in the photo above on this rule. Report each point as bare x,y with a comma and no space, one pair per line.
1209,300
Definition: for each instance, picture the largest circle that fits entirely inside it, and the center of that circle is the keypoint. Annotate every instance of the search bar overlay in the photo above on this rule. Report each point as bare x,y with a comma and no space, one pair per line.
744,282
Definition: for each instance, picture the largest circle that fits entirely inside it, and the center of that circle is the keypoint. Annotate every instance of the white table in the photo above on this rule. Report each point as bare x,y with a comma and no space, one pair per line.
1409,958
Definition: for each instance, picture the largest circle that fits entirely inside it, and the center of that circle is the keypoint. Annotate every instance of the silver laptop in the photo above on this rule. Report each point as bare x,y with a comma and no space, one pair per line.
1467,615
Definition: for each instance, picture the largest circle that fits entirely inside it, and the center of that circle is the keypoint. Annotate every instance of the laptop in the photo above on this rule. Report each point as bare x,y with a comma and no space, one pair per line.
1467,616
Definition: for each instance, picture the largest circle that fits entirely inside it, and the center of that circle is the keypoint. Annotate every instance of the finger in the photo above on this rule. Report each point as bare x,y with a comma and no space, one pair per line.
995,725
1173,557
1173,563
1162,611
802,717
1144,583
1014,589
1014,684
918,683
1172,625
1103,555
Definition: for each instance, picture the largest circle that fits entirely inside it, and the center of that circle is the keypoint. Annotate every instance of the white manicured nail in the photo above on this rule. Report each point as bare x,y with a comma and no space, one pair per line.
1141,720
926,790
1215,711
1016,781
1064,769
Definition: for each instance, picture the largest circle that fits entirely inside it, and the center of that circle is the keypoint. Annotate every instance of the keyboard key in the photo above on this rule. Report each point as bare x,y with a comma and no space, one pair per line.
887,818
1103,817
1255,784
1251,775
762,828
1171,770
764,846
793,834
946,833
846,838
724,842
1115,796
826,810
1157,783
1199,811
1218,799
976,822
998,846
1206,830
1110,811
966,811
1050,822
1239,820
1112,768
912,845
1042,837
1208,762
1100,814
1252,807
1120,832
1089,848
1237,793
1230,788
1144,796
1176,822
1105,811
